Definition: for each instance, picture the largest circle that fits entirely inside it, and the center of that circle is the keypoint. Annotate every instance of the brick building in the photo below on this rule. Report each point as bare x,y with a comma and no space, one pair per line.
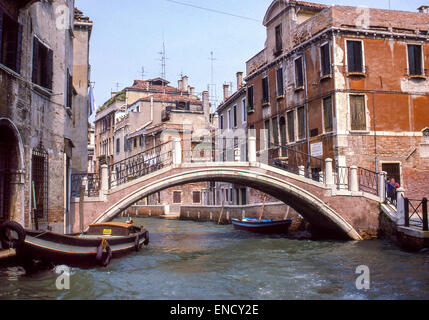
143,117
348,83
36,112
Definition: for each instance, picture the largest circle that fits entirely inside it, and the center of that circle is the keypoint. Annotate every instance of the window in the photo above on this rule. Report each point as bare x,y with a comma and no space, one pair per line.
354,56
118,146
301,123
243,196
243,110
275,131
280,88
229,119
327,114
415,63
69,90
125,144
291,126
357,111
325,59
279,42
177,197
196,197
250,98
283,139
221,122
235,120
135,143
299,75
265,92
42,64
10,42
268,132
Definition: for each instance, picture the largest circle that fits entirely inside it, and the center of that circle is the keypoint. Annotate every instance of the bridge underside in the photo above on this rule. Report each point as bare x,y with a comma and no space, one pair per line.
324,220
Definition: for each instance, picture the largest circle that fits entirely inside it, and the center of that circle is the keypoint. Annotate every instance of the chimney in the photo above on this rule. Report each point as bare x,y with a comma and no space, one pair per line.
423,9
185,83
225,91
206,106
239,80
192,91
180,85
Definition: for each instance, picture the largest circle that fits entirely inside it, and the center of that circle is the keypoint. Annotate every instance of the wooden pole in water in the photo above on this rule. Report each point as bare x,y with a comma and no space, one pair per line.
263,207
221,212
287,212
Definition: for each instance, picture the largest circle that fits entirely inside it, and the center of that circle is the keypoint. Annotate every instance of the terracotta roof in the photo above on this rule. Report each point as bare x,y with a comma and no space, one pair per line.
78,15
311,5
171,98
148,86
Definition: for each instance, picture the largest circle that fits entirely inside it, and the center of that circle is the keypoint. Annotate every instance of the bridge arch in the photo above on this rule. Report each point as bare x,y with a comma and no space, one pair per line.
311,207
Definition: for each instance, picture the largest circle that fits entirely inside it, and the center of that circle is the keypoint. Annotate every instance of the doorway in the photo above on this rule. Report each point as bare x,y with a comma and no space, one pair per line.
8,170
393,171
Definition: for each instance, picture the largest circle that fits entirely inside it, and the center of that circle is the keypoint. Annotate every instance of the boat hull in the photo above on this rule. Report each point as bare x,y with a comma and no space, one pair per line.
74,251
266,227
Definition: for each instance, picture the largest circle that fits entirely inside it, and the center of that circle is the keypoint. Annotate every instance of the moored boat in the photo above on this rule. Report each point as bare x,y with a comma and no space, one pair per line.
262,226
96,247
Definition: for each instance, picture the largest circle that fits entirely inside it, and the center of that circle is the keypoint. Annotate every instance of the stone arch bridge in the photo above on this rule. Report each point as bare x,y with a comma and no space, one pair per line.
340,202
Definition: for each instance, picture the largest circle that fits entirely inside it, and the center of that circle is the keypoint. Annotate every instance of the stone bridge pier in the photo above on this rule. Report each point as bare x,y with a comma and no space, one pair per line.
337,205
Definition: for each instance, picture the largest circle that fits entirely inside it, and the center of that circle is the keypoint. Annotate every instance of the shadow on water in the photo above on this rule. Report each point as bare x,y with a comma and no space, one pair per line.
190,260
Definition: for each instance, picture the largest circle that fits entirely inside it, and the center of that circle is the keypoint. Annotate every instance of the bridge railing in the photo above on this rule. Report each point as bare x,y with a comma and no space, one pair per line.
141,164
294,161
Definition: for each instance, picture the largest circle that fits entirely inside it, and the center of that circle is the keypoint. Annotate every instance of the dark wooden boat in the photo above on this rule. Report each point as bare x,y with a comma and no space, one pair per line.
262,226
96,247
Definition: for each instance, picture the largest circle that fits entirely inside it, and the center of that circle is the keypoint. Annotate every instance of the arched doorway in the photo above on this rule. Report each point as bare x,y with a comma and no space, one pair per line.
9,161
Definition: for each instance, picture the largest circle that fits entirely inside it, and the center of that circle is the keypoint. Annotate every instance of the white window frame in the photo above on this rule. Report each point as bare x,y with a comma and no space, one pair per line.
330,58
423,58
302,69
347,55
294,126
228,116
367,115
234,116
243,111
323,114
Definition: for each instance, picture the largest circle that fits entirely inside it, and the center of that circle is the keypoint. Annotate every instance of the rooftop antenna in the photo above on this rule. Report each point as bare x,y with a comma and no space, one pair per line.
163,58
142,73
212,85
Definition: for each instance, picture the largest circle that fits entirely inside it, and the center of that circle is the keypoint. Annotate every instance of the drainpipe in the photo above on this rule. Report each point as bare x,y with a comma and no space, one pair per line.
307,125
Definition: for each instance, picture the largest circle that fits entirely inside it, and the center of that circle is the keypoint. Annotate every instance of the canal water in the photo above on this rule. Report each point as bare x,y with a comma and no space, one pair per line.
190,260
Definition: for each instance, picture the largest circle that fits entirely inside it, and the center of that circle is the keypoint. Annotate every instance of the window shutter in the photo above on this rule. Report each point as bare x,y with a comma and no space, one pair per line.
35,60
357,104
49,68
19,49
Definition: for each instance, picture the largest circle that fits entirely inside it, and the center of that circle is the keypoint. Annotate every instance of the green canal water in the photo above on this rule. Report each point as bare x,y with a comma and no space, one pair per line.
190,260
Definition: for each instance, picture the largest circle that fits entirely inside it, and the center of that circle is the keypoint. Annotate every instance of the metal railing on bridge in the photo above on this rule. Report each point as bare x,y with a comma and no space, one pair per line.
294,161
141,164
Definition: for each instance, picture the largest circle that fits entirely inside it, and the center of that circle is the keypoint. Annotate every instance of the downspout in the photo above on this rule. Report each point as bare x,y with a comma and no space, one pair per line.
334,47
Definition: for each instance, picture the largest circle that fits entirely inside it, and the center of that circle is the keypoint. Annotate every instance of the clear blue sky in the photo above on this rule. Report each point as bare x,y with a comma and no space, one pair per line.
128,34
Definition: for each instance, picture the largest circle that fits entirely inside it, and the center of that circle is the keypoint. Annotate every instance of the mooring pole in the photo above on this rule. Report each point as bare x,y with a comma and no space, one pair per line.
425,214
406,212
